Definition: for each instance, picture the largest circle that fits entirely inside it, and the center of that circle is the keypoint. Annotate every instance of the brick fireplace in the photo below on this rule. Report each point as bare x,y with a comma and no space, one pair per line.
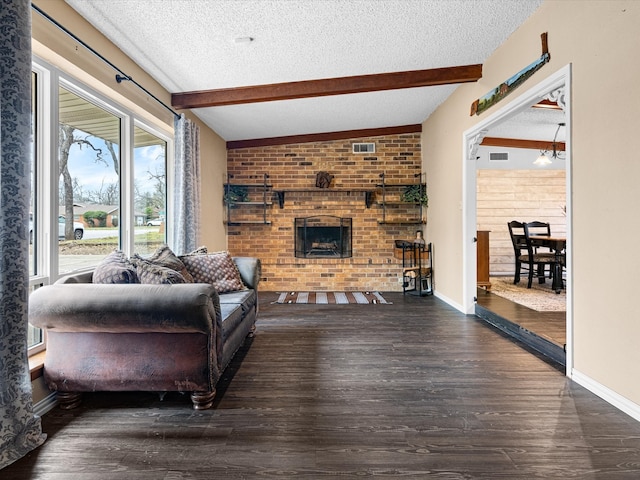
322,236
349,206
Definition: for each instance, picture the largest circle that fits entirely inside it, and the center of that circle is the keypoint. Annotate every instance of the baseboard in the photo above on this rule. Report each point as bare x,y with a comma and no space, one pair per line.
46,404
447,300
608,395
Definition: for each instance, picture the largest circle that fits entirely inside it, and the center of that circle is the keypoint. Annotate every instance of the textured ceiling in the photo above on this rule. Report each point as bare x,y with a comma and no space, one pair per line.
191,45
532,124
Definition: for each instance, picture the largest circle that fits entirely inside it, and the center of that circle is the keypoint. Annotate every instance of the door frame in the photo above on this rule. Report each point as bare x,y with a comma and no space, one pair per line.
556,87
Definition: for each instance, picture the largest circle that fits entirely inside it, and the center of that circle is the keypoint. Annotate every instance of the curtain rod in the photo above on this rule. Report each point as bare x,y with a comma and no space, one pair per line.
120,76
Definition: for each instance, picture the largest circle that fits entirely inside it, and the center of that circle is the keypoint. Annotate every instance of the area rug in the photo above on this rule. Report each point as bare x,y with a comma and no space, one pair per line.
331,298
539,297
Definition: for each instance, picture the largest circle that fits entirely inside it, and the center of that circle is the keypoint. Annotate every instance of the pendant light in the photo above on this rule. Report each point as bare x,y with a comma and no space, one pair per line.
543,159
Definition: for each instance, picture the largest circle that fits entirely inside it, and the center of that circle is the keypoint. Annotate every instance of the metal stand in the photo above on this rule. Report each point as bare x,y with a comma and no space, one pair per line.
417,272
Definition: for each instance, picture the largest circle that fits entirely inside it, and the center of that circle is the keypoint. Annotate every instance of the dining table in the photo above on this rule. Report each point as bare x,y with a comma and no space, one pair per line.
558,245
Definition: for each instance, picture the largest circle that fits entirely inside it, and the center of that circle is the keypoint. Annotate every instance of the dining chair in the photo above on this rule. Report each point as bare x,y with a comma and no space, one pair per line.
541,229
526,257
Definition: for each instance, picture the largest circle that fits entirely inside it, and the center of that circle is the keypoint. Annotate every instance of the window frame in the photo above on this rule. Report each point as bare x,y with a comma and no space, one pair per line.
95,98
46,164
129,237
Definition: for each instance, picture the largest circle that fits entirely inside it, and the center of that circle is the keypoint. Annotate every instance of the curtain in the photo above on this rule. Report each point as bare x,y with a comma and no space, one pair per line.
20,430
187,185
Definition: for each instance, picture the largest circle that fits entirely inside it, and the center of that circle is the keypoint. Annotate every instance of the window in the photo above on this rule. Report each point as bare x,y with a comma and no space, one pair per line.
98,180
34,185
89,182
150,190
35,336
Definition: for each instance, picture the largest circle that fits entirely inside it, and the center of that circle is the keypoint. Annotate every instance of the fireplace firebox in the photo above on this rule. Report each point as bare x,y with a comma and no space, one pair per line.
322,236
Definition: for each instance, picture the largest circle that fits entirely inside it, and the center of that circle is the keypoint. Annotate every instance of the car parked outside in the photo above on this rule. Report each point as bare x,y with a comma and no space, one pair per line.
155,223
78,228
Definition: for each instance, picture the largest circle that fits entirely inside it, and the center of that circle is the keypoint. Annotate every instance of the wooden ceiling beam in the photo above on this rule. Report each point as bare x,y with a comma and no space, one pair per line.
324,137
518,143
326,87
547,104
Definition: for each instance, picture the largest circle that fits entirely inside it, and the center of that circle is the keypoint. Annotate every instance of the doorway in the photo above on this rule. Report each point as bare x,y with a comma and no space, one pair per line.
555,88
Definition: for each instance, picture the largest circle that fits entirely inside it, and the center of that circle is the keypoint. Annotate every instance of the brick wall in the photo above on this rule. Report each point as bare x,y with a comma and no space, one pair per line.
373,265
524,195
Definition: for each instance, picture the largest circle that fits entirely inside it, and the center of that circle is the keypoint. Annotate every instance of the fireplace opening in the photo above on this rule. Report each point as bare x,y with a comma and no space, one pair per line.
323,236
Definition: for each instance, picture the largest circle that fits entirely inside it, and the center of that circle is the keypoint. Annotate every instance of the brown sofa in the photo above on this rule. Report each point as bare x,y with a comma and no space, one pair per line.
142,337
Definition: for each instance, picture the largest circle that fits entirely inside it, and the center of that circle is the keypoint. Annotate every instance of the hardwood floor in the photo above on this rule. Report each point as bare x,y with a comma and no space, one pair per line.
412,390
544,331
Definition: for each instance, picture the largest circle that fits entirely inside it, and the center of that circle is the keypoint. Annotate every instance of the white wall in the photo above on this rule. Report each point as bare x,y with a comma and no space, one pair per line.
600,40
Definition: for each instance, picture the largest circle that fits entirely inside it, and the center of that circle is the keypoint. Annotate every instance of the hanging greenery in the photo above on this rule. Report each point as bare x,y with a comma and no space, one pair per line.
415,194
236,193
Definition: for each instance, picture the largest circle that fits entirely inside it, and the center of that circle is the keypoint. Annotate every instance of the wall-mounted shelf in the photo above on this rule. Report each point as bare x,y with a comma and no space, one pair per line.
401,222
281,194
396,211
256,196
247,222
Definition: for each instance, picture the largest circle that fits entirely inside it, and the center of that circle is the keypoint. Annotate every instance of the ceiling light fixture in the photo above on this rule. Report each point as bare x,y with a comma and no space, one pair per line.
543,159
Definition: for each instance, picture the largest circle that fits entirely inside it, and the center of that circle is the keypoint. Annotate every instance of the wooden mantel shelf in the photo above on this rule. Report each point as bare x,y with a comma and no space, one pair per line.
368,193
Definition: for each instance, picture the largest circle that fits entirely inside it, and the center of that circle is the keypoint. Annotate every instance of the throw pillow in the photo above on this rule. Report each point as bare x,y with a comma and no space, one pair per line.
218,269
198,251
115,268
152,273
164,257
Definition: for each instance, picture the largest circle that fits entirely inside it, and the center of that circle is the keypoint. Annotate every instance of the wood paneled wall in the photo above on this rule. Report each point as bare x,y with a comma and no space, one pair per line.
524,195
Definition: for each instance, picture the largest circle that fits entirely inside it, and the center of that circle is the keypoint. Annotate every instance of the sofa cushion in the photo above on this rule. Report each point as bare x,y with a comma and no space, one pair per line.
232,316
149,272
115,268
82,277
244,298
218,269
164,257
250,269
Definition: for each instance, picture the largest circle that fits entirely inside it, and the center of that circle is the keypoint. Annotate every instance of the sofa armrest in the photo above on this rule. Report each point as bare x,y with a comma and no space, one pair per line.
132,308
250,270
84,277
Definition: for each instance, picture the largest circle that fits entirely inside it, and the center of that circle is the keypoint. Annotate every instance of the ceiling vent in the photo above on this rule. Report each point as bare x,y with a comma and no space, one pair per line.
364,147
499,156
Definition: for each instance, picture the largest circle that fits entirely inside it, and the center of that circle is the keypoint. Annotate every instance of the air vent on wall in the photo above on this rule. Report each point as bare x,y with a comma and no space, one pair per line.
499,156
364,147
